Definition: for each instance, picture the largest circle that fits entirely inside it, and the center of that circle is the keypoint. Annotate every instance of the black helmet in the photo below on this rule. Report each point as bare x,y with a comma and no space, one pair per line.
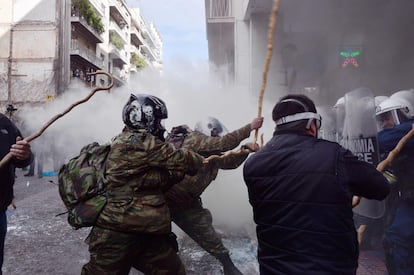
144,111
211,126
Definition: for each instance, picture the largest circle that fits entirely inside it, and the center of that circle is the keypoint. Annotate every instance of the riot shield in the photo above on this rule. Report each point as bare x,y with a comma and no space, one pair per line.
328,125
359,135
339,115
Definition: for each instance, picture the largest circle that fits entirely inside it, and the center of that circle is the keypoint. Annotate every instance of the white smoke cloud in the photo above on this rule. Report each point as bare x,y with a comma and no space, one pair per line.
190,95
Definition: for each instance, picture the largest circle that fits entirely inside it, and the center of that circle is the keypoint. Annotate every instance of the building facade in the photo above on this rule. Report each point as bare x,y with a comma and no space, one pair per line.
45,44
323,48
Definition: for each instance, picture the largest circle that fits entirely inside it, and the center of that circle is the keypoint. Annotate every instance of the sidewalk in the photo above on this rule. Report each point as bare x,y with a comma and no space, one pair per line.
371,262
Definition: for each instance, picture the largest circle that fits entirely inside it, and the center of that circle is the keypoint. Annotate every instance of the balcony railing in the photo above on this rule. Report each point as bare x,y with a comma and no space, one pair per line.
123,34
88,54
119,12
220,9
136,36
119,57
77,18
149,53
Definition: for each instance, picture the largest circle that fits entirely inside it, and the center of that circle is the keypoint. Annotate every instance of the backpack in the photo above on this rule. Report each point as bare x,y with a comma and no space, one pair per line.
82,185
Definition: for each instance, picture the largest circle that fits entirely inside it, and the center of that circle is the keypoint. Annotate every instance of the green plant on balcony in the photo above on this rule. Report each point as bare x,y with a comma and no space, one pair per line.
138,61
116,40
86,11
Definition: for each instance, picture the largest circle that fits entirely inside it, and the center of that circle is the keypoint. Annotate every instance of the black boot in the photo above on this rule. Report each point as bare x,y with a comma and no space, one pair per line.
228,265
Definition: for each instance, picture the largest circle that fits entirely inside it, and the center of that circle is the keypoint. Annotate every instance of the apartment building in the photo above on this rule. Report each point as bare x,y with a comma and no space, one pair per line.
323,48
45,44
146,42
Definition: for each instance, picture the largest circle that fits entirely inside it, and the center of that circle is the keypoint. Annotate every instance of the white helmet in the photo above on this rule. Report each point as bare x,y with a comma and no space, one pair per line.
405,94
392,112
340,102
211,126
379,99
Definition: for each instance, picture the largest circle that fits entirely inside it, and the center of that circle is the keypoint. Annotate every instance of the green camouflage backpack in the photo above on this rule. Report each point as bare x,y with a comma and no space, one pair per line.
82,185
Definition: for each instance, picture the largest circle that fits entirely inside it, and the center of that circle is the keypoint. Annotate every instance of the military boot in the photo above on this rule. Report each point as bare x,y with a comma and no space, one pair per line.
228,265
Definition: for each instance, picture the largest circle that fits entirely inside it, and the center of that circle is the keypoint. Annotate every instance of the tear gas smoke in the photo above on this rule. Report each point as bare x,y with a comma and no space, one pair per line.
190,95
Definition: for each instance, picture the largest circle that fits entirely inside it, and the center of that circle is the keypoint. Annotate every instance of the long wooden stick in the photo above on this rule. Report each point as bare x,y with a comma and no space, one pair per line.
381,167
8,157
272,27
390,157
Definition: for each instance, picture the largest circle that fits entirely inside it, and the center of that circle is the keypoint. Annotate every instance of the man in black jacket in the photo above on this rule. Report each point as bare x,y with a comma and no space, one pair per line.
301,189
10,141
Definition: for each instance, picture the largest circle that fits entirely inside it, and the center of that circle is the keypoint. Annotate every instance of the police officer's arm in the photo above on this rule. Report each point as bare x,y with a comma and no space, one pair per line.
365,180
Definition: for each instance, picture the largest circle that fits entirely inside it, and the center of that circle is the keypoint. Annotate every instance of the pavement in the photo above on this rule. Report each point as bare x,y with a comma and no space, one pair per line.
371,262
40,242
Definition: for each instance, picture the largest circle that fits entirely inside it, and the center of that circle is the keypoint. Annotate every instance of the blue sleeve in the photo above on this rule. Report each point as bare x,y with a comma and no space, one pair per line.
364,179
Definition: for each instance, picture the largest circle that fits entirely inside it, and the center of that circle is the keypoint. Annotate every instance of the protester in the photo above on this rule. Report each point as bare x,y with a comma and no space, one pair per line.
38,157
184,199
11,141
301,189
134,228
395,119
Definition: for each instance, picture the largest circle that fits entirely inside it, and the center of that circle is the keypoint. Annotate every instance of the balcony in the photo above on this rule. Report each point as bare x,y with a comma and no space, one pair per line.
220,11
148,37
99,7
136,50
121,33
119,76
257,6
82,27
118,12
149,53
136,37
77,51
118,57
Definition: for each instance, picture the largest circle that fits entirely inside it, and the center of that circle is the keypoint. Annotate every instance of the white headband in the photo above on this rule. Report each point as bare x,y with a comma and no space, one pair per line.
296,117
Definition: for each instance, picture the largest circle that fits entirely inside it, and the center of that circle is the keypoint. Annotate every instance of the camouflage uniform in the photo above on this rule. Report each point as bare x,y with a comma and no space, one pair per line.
184,198
134,228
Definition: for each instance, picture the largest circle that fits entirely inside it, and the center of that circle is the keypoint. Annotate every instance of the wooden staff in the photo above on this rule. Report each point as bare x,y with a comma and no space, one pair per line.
391,156
381,167
272,27
8,157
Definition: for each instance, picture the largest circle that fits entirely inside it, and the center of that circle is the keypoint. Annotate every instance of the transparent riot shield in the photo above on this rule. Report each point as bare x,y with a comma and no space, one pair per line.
359,135
328,125
339,115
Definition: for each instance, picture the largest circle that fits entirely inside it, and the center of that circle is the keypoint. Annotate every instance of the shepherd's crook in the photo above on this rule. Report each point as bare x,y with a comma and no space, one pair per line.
8,157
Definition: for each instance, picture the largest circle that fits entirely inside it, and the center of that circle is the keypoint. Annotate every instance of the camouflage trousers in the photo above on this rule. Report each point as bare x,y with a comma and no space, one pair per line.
197,223
115,253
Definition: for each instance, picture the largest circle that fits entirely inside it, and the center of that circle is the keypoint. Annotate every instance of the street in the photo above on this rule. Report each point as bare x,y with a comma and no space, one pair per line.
41,242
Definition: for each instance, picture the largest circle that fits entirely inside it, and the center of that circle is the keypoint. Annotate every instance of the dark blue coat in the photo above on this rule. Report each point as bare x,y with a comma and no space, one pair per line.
301,191
389,138
403,163
8,135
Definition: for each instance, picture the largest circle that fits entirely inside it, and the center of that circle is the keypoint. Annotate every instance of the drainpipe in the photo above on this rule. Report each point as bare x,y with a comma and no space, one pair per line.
9,65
